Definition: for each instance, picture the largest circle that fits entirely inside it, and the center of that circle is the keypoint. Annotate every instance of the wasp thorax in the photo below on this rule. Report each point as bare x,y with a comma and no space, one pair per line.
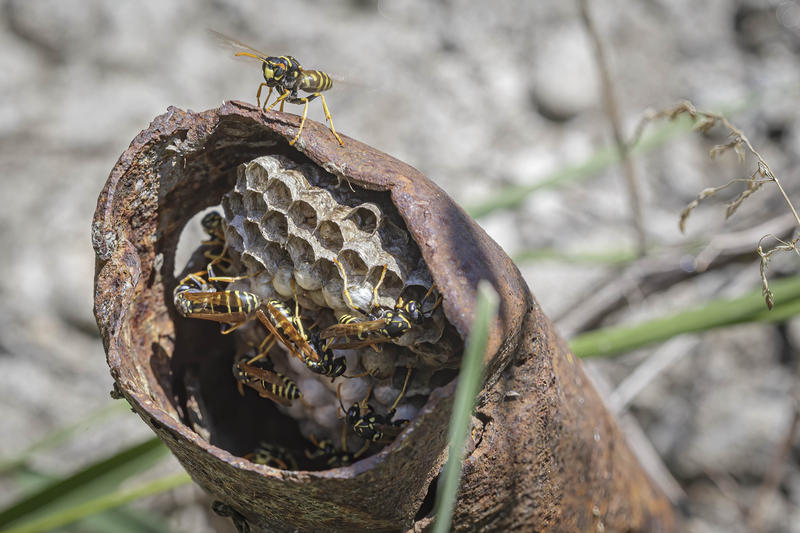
348,314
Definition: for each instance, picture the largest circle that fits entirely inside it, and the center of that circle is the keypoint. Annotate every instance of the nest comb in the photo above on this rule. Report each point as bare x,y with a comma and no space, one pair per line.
289,221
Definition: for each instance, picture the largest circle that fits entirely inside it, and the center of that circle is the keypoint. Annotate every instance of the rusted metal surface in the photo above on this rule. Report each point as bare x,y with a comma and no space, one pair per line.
552,457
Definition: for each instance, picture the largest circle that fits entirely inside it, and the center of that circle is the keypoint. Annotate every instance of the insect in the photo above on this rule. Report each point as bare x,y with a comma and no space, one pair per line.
285,74
333,457
289,331
383,325
267,383
363,419
287,328
272,455
218,248
194,297
328,365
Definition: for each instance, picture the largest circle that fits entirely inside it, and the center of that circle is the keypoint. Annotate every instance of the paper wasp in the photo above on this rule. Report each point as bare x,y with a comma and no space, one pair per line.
272,455
194,297
285,74
383,325
217,252
365,422
289,331
333,457
267,383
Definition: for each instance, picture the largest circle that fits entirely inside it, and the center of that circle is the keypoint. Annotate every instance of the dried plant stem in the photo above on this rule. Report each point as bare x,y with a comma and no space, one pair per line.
612,110
740,144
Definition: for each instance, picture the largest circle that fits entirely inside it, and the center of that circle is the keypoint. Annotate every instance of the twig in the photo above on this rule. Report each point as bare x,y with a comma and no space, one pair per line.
612,111
740,144
651,274
659,360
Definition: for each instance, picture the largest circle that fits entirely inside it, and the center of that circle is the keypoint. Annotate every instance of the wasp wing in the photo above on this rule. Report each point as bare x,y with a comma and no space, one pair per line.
352,329
235,45
291,335
294,349
360,344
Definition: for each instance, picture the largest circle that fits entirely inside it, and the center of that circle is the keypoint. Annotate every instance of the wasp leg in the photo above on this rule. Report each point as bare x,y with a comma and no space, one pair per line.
233,327
299,322
339,397
258,94
269,341
345,291
330,119
377,285
226,279
278,100
424,299
197,277
360,452
304,100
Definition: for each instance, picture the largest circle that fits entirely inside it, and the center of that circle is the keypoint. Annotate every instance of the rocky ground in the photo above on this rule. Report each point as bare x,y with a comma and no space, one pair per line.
478,96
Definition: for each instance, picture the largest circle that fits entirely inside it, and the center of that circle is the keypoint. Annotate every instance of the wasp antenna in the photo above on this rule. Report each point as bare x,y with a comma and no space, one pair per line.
402,392
360,452
248,54
344,436
339,396
430,290
366,398
361,375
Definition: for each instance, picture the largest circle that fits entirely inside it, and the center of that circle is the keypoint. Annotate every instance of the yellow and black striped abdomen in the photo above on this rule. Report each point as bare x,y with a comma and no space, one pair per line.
234,302
288,389
219,306
315,81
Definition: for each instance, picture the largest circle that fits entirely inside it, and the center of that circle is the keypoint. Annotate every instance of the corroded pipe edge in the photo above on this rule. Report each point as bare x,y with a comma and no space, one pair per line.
127,252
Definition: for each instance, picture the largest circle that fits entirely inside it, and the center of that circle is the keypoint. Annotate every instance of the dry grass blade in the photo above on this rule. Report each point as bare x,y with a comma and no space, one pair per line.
741,146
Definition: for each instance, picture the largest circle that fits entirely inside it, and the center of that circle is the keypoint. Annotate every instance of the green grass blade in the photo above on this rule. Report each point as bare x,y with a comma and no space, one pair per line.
101,477
716,314
101,503
469,382
59,435
120,520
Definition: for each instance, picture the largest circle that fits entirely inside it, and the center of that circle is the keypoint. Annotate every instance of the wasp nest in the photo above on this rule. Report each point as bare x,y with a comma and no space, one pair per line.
287,226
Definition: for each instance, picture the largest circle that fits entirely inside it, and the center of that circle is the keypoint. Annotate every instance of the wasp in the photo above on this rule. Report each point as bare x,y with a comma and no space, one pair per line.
285,74
333,457
383,325
267,383
288,329
217,253
194,297
365,422
272,455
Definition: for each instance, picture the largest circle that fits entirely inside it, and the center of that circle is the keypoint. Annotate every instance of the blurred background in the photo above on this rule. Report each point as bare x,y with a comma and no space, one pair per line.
501,105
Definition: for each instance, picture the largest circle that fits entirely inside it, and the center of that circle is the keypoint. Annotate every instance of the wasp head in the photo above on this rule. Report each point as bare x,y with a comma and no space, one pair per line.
212,224
412,310
275,68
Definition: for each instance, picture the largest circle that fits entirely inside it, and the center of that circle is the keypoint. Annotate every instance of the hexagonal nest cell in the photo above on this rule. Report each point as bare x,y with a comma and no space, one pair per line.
339,259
